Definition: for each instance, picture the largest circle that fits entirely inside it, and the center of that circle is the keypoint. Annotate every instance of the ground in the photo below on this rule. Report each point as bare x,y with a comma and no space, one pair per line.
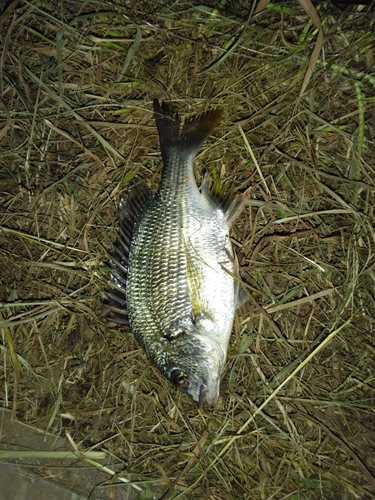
296,82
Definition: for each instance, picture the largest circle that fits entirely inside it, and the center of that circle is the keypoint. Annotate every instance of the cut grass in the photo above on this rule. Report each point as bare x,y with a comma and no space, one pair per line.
296,419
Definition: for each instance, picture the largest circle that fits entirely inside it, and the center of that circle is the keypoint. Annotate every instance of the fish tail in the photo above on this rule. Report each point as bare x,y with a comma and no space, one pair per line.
194,131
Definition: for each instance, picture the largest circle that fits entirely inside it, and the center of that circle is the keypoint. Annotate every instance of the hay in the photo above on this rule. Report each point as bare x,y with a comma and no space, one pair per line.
296,419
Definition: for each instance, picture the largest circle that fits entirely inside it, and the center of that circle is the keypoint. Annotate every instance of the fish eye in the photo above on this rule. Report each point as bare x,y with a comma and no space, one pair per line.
180,378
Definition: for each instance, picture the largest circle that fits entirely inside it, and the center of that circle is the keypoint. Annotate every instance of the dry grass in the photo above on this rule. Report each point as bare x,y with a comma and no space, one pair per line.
297,416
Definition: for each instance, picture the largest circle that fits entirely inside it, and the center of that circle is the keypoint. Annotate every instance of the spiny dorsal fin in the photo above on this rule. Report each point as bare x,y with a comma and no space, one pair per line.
131,209
194,131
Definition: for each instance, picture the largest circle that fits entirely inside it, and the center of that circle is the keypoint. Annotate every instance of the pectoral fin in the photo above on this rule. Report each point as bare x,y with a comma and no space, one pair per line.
194,279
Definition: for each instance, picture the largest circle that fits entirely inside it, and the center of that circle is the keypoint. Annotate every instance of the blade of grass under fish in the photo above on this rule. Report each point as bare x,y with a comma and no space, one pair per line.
12,349
103,468
326,174
4,130
41,241
43,314
249,148
241,430
307,214
311,11
60,455
66,105
231,48
301,301
261,5
6,305
9,11
26,365
129,57
71,139
361,139
349,72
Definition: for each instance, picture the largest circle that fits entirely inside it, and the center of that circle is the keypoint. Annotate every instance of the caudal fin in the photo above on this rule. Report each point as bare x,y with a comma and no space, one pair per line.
194,131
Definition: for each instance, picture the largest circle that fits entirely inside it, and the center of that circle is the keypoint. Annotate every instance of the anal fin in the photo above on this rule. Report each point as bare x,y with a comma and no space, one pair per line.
232,205
236,207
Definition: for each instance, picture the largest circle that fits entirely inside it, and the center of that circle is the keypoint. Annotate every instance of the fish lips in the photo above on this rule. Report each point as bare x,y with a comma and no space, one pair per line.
209,391
209,394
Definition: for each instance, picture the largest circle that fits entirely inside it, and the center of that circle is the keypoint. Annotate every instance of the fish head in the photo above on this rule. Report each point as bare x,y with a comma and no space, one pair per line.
192,384
194,363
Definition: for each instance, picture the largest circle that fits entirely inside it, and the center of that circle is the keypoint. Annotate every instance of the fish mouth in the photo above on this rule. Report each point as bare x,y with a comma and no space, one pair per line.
208,394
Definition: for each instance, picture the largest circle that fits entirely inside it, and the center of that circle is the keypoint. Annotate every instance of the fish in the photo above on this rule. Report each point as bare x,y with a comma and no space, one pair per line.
174,273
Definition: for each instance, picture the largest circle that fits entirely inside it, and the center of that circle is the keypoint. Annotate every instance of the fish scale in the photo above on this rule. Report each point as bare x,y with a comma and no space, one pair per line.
162,288
180,294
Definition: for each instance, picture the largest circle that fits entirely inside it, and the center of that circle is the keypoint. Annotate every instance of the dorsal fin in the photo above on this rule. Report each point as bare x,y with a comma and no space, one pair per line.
131,209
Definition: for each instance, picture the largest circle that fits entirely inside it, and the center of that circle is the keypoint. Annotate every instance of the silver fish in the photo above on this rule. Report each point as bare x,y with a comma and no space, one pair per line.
173,271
